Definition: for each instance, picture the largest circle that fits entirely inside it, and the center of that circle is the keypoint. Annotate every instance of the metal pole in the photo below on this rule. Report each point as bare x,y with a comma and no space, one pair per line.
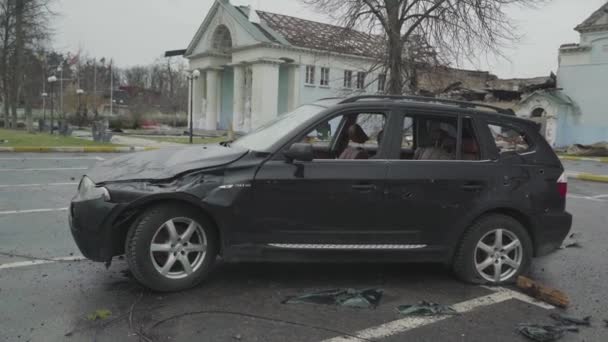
61,91
191,110
94,85
52,108
111,89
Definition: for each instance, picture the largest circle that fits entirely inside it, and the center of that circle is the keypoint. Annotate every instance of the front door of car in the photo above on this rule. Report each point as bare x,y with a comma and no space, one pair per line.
432,191
327,200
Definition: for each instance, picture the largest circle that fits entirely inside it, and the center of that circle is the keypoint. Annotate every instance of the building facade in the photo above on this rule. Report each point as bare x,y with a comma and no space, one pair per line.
257,65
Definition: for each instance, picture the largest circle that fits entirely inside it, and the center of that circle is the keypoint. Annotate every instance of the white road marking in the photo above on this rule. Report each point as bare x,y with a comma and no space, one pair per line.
588,198
30,211
60,158
600,196
34,185
46,169
40,262
402,325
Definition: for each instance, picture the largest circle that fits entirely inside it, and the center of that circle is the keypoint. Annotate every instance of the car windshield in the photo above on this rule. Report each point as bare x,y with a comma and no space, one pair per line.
264,137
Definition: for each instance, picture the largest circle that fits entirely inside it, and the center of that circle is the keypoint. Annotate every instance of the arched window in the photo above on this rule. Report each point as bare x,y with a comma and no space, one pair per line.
222,40
538,113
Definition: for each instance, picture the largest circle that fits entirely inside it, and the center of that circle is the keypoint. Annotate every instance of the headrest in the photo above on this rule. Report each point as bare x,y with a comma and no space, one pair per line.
357,135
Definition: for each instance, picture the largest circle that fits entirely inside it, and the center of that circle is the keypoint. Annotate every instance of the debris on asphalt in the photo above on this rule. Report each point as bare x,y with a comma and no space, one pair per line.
542,292
571,241
544,333
426,309
100,314
567,320
368,298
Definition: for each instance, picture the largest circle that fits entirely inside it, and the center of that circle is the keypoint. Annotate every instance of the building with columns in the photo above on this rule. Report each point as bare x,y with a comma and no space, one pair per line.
257,65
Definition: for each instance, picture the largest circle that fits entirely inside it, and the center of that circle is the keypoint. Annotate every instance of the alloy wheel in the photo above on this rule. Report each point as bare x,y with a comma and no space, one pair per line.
178,248
498,255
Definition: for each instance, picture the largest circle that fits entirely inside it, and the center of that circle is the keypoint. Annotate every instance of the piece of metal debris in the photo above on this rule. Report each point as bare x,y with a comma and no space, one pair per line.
567,320
426,309
544,333
368,298
542,292
100,314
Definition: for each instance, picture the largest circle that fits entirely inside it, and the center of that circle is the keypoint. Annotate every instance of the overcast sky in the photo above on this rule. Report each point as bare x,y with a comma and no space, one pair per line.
138,31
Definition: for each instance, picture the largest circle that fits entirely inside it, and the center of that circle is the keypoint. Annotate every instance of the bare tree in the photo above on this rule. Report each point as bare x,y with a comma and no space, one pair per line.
418,31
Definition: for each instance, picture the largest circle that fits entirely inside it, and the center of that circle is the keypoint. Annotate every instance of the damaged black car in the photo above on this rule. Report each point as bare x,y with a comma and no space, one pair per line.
368,178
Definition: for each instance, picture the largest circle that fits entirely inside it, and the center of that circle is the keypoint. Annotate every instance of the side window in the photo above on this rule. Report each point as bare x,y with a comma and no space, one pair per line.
407,141
323,134
508,139
373,127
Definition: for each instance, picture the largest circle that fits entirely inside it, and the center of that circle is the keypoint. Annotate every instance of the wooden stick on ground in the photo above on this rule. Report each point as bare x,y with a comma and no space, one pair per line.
542,292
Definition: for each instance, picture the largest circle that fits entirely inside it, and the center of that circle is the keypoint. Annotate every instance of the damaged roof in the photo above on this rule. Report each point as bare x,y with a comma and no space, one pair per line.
591,23
319,36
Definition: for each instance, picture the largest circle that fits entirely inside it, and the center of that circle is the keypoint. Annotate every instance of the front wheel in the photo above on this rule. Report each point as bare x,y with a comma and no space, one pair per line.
171,248
495,250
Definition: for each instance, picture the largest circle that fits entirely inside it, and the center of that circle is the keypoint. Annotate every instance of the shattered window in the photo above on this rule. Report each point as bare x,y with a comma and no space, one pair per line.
508,139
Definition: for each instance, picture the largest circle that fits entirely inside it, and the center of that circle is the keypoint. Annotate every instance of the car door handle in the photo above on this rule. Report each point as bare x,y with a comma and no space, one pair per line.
472,187
364,187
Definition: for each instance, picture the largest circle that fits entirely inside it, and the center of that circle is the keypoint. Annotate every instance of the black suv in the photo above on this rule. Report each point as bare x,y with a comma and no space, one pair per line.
388,179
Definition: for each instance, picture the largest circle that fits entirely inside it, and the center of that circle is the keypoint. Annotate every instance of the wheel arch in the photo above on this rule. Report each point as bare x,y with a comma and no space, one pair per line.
131,213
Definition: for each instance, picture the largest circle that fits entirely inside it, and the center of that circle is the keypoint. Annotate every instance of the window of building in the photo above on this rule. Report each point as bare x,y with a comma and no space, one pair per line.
310,74
348,79
509,139
381,83
360,80
325,77
222,40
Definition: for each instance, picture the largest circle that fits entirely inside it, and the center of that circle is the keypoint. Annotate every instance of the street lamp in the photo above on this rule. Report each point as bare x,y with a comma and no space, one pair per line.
44,96
193,76
52,81
79,92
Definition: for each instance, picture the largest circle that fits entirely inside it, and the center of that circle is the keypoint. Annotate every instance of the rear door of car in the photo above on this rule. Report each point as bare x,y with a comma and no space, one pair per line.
427,199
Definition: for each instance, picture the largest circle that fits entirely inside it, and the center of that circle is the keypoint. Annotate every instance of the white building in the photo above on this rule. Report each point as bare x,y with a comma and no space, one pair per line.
257,65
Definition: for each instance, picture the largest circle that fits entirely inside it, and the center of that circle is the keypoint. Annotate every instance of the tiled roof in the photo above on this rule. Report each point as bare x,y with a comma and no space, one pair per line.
319,36
591,21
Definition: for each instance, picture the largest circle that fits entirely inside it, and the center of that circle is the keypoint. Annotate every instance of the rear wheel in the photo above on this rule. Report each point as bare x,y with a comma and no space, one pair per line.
495,250
171,248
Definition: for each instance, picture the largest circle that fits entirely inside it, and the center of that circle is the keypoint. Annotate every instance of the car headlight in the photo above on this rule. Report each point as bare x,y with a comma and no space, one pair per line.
87,190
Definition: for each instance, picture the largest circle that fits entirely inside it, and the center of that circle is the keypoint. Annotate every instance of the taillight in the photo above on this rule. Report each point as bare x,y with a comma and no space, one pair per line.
562,185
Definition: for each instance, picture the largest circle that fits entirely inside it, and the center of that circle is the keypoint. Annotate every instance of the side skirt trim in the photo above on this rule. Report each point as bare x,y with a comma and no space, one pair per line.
345,247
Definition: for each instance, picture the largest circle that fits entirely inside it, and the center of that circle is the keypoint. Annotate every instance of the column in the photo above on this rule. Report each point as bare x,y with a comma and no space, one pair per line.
197,104
239,98
265,92
293,100
213,93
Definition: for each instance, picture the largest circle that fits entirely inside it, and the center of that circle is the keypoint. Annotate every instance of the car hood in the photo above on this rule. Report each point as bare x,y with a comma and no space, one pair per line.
164,164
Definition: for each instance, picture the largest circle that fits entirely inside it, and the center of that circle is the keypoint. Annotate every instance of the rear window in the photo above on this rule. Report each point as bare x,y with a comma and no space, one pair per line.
509,139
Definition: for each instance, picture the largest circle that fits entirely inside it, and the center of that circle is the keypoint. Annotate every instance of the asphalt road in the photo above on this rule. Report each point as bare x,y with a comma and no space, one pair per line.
42,299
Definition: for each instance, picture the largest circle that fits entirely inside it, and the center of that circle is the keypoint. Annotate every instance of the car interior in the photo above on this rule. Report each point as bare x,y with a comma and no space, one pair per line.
360,136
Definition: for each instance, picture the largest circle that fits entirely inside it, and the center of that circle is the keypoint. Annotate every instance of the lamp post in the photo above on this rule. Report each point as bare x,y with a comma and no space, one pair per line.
192,77
79,92
60,71
44,96
52,81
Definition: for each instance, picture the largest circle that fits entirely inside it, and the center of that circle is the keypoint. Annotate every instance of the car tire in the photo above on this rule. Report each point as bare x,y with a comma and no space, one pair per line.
157,251
479,258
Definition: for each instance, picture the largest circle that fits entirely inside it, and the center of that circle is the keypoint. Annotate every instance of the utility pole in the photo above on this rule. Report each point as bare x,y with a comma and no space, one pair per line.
94,85
111,88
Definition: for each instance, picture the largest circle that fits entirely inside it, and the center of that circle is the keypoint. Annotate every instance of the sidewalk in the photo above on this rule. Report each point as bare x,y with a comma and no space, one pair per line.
587,170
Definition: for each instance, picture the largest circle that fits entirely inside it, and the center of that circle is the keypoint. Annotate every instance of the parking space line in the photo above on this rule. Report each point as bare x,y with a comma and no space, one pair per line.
402,325
588,198
47,169
600,196
31,211
5,186
40,262
62,158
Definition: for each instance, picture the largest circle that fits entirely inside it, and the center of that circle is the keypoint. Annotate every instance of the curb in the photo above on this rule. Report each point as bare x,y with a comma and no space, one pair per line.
75,149
592,159
588,177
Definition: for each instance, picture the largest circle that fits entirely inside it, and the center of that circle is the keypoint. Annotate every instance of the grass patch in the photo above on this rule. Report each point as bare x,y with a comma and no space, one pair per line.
575,158
14,138
184,140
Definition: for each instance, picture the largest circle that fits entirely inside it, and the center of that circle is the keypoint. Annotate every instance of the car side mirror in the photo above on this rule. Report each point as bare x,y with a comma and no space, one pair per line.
301,152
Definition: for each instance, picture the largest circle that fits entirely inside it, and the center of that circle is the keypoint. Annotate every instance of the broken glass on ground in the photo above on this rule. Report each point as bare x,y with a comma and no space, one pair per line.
544,333
368,298
426,309
567,320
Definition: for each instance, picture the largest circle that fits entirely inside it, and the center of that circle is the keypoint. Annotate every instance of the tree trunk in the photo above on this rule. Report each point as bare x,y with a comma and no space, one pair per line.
17,61
395,48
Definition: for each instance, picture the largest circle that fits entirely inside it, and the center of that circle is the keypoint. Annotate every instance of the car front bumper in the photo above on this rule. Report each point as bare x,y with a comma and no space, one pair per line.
550,232
91,224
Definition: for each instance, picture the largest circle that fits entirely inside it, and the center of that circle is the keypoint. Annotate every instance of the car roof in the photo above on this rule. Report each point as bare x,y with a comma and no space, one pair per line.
425,103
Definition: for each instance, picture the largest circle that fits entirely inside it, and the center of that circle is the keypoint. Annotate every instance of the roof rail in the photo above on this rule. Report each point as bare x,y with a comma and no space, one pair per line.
461,104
